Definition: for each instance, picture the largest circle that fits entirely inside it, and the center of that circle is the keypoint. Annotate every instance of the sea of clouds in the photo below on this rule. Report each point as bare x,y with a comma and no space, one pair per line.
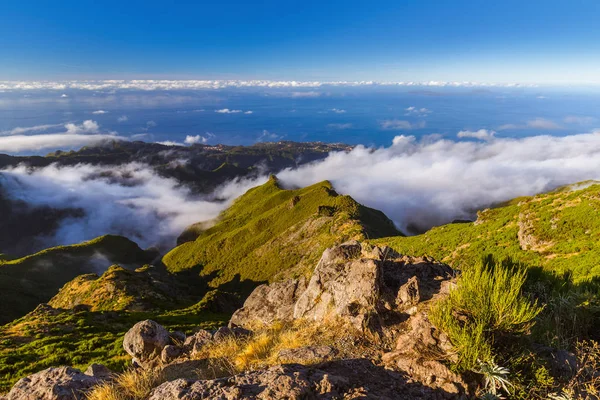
418,183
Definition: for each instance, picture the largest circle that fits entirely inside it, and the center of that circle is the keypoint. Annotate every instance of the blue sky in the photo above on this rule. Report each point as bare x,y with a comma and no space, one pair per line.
509,41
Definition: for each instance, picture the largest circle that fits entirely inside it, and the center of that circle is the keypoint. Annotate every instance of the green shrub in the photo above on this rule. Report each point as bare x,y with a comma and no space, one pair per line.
486,303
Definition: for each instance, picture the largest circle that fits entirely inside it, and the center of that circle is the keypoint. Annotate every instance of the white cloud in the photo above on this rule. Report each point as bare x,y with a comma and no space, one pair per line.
483,134
151,124
432,182
338,111
340,126
30,129
63,96
197,139
228,111
158,84
397,124
415,111
20,143
123,118
170,143
130,200
139,136
99,112
86,127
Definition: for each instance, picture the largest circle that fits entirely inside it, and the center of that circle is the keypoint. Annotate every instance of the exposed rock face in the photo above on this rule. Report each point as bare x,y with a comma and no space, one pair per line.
526,235
145,342
348,379
362,285
369,287
413,355
62,383
268,303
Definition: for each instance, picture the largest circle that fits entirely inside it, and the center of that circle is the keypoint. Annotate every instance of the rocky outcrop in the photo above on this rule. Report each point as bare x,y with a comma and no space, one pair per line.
418,351
62,383
347,379
268,303
145,342
366,286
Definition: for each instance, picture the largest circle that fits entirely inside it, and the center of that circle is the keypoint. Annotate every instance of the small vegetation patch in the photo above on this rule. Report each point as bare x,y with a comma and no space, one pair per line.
487,302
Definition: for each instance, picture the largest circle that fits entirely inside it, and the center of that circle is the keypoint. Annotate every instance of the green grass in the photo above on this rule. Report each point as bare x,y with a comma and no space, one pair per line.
487,302
29,281
44,340
564,224
270,230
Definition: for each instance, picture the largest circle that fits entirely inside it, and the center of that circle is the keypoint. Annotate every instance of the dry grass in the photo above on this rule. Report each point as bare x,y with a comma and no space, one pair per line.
262,348
130,385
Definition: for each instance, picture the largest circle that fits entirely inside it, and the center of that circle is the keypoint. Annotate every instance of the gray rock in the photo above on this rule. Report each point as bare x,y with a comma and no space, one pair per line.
307,354
193,344
343,285
99,371
410,356
170,353
145,342
348,379
408,294
269,303
361,284
62,383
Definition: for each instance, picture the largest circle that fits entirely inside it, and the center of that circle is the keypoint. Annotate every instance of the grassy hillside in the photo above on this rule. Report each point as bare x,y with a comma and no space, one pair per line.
48,338
29,281
558,231
144,289
270,231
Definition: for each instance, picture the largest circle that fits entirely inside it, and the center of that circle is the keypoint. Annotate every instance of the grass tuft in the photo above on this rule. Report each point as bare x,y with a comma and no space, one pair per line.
486,303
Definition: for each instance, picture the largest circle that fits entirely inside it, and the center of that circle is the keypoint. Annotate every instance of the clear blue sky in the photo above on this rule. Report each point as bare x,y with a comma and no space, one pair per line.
538,41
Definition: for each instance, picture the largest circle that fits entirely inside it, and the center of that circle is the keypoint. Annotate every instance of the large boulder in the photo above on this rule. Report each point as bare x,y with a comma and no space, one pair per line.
145,342
343,285
62,383
347,379
268,303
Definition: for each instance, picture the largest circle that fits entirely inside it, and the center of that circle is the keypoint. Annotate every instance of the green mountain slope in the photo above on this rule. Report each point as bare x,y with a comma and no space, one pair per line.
270,231
29,281
119,289
558,231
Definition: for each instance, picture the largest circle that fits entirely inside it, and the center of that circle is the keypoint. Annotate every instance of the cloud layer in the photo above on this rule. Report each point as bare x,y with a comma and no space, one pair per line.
220,84
429,183
74,135
130,200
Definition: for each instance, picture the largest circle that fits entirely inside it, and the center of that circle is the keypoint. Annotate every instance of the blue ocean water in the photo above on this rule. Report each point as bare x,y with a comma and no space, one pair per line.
370,115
